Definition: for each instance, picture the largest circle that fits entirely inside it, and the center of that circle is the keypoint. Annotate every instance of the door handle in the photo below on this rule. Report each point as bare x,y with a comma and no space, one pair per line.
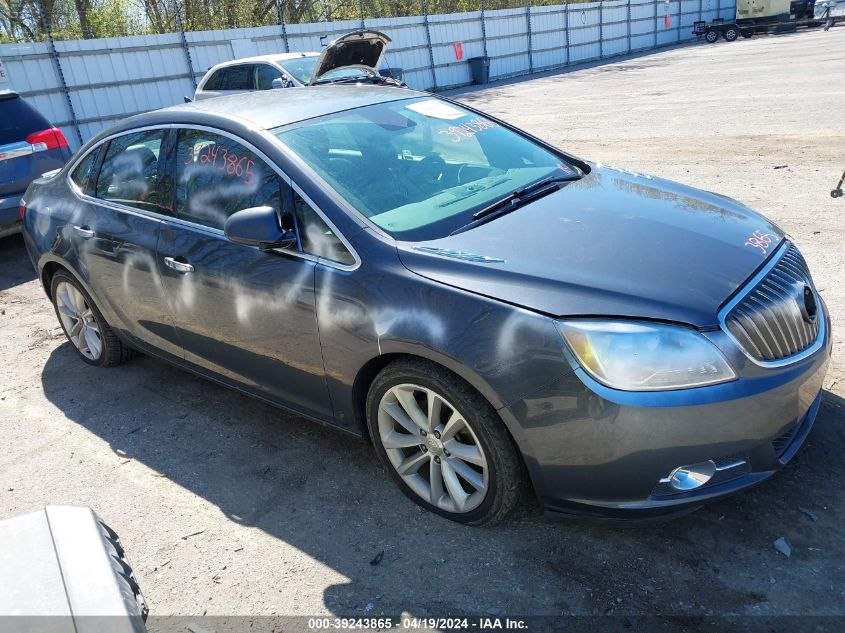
175,264
84,231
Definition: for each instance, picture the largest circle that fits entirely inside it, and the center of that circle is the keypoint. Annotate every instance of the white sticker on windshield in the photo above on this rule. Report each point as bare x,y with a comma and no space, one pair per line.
436,109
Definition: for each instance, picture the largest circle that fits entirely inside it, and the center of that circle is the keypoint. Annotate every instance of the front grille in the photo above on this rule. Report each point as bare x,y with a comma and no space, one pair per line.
779,317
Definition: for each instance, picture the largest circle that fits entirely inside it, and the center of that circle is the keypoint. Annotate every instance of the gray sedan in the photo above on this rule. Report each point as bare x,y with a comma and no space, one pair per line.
494,314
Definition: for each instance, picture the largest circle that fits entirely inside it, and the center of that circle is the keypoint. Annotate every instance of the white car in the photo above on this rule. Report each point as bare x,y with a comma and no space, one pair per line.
353,57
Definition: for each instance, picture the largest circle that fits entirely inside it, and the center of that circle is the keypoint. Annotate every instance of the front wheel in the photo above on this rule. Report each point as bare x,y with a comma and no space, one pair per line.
443,443
731,34
747,33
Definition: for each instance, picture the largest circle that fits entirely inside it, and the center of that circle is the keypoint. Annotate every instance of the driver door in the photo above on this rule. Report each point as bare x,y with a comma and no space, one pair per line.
243,314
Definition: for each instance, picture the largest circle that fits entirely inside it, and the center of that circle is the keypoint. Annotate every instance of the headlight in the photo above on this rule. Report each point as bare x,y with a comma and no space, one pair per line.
645,356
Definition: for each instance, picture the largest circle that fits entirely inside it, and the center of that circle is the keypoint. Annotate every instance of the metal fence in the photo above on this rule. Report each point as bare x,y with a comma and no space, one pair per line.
84,85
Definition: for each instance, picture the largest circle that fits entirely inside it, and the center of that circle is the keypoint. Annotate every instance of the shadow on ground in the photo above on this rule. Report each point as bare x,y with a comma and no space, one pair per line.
14,263
326,495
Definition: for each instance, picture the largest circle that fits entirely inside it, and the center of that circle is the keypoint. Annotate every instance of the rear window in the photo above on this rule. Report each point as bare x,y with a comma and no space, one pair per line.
215,82
18,120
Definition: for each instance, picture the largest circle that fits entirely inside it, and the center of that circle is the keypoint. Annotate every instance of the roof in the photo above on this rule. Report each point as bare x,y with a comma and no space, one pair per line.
268,109
274,57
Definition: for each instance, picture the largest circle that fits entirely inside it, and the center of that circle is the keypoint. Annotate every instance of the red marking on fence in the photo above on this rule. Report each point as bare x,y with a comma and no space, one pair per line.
459,50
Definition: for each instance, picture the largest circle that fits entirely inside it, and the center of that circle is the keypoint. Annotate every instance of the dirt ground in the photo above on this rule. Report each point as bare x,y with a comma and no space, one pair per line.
227,506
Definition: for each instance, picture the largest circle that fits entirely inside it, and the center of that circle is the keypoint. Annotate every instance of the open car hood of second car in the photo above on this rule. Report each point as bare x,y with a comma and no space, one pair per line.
359,48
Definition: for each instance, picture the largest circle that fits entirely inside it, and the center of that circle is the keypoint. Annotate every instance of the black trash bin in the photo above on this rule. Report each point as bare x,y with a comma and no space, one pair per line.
393,73
479,68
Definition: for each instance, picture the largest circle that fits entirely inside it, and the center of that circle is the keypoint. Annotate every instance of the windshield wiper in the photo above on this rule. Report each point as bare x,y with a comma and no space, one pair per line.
516,199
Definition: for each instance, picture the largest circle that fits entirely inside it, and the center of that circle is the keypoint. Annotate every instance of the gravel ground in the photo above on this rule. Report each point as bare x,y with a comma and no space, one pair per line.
227,506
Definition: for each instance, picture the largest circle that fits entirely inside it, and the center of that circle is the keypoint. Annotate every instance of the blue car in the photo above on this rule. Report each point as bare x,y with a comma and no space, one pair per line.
29,147
494,314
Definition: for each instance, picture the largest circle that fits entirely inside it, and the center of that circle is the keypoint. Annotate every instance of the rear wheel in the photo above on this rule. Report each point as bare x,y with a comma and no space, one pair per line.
711,36
84,325
747,33
731,34
443,443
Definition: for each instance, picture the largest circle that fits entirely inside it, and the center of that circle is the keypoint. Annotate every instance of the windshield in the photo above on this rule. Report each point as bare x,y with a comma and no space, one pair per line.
419,168
302,68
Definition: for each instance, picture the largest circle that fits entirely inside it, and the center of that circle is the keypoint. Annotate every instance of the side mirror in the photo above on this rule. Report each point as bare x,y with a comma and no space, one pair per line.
281,82
258,226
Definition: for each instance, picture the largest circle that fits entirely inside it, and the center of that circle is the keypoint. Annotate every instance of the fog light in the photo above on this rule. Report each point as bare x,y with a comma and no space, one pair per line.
692,477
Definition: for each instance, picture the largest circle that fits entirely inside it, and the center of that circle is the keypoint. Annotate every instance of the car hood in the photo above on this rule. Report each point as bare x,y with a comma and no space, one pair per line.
359,48
613,243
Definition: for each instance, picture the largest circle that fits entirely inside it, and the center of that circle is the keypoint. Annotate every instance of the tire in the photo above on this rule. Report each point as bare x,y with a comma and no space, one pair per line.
711,36
731,34
94,341
747,33
493,480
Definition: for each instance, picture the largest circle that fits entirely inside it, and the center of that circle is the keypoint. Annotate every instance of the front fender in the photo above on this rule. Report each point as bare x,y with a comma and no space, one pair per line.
368,317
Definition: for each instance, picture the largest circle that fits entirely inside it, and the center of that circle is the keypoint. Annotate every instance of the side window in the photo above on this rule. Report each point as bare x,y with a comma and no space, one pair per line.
216,176
217,81
83,174
131,173
239,77
264,76
316,236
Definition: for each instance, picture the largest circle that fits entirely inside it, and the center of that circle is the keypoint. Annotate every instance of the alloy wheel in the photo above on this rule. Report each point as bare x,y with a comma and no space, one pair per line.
78,321
433,448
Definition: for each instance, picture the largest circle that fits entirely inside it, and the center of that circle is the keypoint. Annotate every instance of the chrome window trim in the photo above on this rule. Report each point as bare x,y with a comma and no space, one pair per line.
202,227
743,292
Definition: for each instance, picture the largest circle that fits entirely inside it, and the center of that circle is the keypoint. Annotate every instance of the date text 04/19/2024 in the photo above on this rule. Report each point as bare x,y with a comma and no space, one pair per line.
422,623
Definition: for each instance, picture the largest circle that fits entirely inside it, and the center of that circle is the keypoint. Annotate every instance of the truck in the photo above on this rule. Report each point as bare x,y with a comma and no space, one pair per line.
763,16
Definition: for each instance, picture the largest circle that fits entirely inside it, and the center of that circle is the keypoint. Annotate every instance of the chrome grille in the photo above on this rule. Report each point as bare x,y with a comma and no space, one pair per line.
772,321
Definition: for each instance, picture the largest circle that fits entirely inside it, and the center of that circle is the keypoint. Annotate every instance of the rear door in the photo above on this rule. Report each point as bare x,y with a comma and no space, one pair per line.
115,232
242,313
29,146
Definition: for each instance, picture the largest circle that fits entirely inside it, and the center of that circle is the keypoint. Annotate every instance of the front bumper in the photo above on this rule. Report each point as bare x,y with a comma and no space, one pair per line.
599,452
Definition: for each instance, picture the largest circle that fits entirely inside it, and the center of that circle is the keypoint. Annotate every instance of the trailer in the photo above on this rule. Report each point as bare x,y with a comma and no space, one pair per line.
762,16
829,12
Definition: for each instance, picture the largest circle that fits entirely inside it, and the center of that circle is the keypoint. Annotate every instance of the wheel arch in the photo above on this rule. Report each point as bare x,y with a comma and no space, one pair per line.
368,371
48,271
